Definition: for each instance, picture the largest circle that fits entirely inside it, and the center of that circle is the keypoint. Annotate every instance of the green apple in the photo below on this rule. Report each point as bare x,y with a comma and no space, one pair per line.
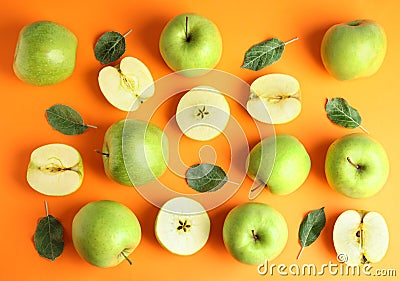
55,169
127,85
254,232
202,113
190,41
182,226
353,49
279,162
105,233
135,152
360,237
356,165
45,53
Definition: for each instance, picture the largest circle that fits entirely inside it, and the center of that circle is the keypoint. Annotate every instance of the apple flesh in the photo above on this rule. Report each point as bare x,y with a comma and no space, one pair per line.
127,85
55,169
361,237
353,49
356,165
105,233
135,152
190,41
45,53
280,163
202,113
182,226
254,232
274,99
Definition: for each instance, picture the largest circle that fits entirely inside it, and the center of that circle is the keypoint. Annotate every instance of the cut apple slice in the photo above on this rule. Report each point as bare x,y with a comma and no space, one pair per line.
182,226
126,85
274,99
202,113
55,169
361,237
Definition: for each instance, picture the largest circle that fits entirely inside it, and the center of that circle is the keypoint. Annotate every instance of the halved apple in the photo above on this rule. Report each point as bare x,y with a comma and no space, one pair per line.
274,99
182,226
202,113
55,169
126,85
361,237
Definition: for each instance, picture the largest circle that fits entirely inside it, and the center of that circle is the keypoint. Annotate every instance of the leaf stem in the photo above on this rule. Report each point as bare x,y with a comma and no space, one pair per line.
91,126
365,130
126,257
301,251
127,33
46,206
291,40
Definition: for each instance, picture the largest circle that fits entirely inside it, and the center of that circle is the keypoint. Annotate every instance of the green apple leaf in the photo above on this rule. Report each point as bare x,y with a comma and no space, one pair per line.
48,237
110,47
206,177
341,113
311,227
264,53
66,120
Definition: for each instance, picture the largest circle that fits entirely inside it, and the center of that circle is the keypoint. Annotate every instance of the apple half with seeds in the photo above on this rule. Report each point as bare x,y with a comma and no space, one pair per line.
127,85
274,99
360,237
202,113
55,169
182,226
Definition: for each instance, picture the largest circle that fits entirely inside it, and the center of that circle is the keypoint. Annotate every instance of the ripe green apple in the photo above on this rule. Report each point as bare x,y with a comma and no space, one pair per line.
356,165
254,232
190,41
353,49
105,233
135,152
279,162
45,53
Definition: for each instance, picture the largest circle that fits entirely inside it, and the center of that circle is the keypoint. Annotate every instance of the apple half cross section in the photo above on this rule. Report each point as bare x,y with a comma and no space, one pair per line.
55,169
127,85
202,113
182,226
274,99
360,237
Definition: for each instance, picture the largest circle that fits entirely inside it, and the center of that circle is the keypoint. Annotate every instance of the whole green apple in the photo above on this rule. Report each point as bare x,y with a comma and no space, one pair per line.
45,53
105,233
279,162
135,152
190,41
356,165
353,49
254,232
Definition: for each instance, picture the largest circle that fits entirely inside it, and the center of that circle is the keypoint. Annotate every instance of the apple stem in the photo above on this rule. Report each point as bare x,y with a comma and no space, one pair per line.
127,33
102,153
358,167
255,236
255,191
301,251
187,29
126,257
291,40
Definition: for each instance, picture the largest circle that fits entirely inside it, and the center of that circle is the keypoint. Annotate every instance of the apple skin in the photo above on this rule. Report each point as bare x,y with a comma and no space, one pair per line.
203,49
45,53
288,159
361,150
102,230
268,225
353,49
135,146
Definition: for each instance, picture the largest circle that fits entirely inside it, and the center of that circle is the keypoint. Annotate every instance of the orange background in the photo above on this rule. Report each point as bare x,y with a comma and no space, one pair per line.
242,24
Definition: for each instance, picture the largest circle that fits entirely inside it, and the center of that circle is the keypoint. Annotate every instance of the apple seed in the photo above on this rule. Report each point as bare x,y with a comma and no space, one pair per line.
183,225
